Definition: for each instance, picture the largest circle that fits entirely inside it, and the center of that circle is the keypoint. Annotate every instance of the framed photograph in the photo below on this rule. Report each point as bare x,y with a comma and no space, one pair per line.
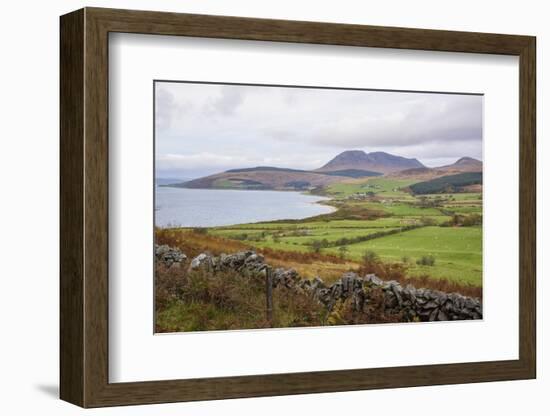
255,207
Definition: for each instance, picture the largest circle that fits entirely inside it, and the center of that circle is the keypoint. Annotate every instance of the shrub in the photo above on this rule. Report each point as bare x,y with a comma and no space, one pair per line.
316,246
385,271
370,257
168,284
472,219
295,309
426,261
343,250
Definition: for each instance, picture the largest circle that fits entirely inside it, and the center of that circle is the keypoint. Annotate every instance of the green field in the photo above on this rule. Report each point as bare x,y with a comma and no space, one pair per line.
457,251
382,186
398,227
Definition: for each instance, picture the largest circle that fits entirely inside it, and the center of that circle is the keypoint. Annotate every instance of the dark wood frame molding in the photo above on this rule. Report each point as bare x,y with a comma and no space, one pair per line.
84,207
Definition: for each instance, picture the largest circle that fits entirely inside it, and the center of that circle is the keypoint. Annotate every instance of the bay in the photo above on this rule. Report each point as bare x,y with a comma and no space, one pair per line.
181,207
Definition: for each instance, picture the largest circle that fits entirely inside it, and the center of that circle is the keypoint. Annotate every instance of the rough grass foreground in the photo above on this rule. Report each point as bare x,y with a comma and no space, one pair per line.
200,300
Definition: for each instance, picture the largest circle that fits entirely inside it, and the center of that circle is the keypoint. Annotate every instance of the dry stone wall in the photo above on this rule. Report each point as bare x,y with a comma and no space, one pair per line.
412,303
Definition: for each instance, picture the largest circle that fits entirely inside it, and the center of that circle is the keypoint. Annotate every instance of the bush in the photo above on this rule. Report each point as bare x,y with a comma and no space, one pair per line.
316,246
370,257
200,230
168,285
472,219
426,261
343,250
385,271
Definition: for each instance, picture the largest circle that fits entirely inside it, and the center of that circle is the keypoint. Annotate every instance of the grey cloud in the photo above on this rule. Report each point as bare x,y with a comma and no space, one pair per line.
425,121
301,126
168,108
229,100
164,108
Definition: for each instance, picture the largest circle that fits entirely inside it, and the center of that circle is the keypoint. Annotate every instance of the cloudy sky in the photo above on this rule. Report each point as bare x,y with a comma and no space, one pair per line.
202,129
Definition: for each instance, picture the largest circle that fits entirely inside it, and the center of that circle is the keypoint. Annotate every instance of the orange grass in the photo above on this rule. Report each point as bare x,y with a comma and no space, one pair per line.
308,264
328,267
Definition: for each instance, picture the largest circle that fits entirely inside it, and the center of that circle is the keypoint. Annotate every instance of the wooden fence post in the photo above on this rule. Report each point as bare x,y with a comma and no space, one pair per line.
269,295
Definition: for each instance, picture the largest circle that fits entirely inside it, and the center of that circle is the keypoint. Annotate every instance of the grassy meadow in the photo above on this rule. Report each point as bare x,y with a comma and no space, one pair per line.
435,236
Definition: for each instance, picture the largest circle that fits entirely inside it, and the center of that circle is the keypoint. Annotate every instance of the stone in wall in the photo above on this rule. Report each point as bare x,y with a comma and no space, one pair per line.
169,256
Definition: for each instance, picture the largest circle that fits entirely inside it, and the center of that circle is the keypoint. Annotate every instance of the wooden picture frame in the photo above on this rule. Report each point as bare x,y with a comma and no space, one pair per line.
84,207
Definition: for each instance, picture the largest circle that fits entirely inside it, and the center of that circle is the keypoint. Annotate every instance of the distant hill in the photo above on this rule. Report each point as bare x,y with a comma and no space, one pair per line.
263,177
464,164
375,161
448,184
270,177
351,173
351,164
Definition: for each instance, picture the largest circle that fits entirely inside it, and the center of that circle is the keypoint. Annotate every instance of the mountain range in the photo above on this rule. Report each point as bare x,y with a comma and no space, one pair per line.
346,165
